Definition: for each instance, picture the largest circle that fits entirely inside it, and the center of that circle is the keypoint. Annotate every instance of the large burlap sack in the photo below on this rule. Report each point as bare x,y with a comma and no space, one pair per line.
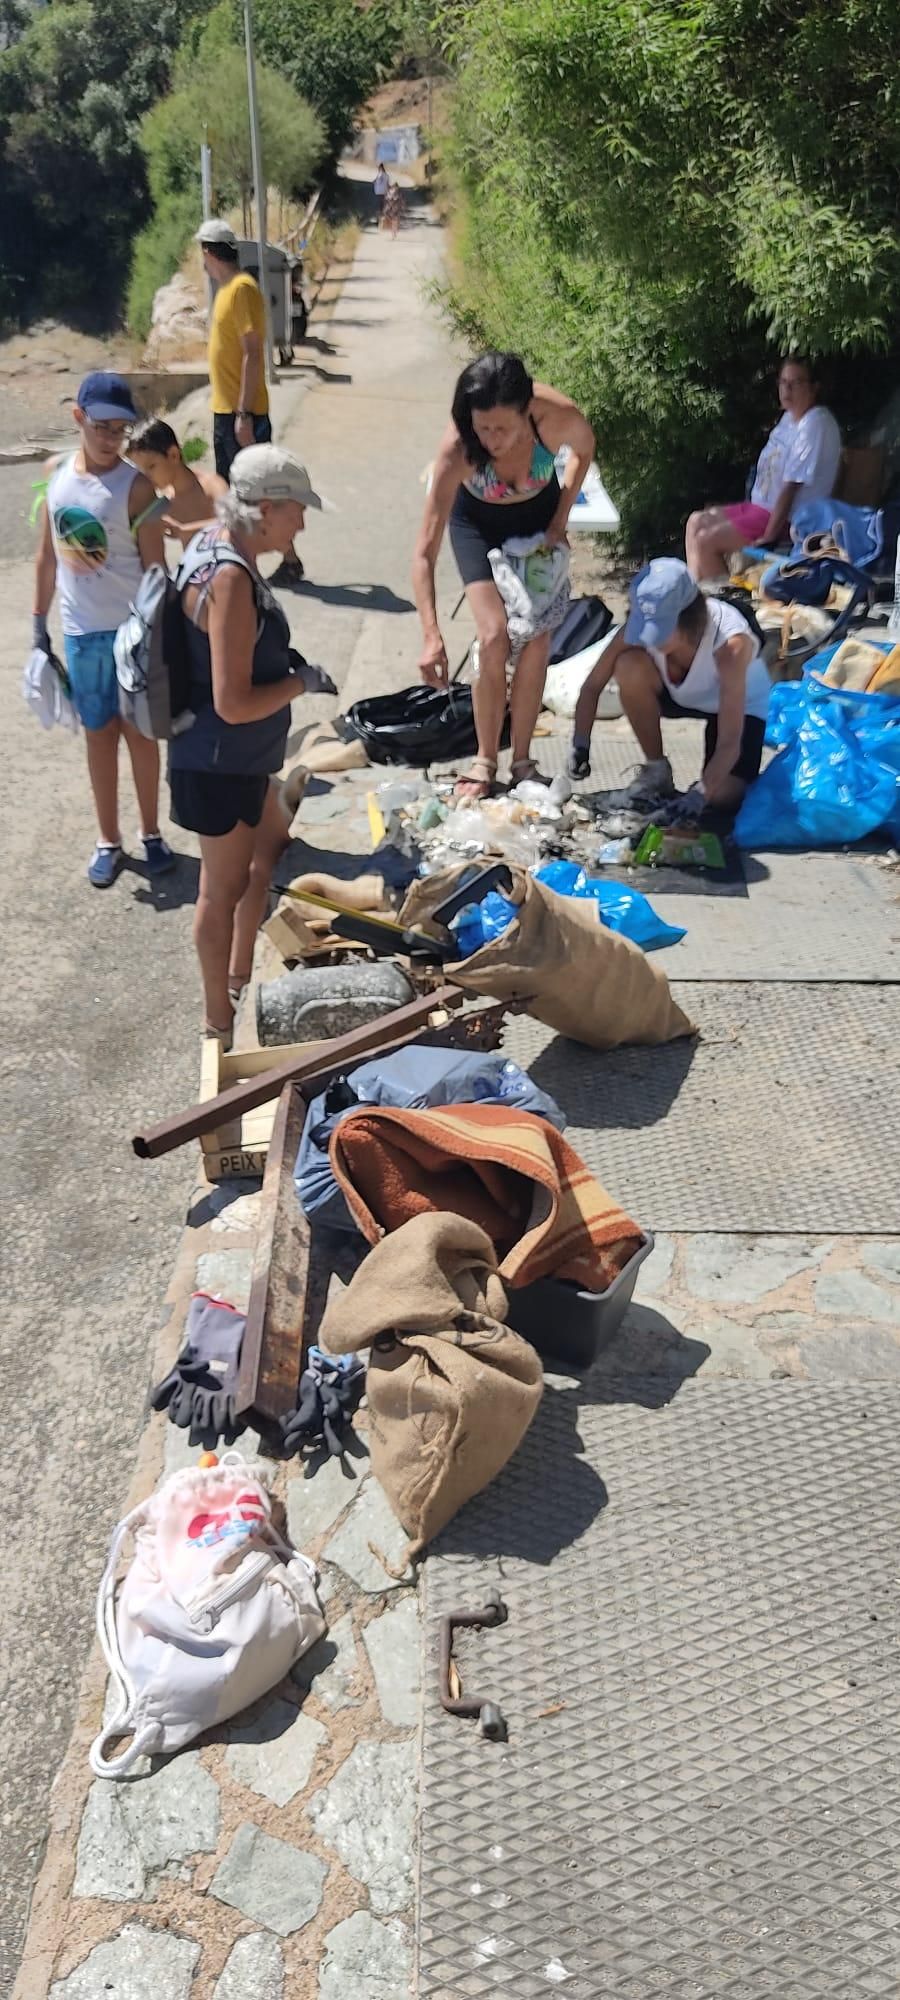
580,978
451,1390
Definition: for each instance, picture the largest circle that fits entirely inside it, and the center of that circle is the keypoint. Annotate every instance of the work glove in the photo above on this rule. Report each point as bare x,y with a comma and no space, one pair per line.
330,1389
691,805
199,1392
315,680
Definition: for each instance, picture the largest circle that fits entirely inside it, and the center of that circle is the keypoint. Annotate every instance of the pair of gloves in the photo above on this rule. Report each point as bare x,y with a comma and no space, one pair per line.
199,1392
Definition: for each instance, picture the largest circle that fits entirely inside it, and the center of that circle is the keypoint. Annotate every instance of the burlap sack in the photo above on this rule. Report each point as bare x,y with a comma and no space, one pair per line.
580,978
451,1390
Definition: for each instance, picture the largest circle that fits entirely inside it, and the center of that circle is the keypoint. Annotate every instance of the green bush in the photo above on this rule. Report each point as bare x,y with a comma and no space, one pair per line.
158,252
332,51
660,199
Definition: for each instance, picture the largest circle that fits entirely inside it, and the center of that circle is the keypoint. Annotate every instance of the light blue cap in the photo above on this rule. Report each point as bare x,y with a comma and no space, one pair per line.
658,595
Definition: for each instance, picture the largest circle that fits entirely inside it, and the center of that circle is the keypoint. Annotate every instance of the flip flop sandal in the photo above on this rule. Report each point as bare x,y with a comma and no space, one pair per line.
480,781
525,770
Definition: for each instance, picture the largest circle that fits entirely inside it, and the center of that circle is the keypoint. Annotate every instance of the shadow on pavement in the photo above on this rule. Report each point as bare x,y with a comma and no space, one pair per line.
356,596
630,1088
167,892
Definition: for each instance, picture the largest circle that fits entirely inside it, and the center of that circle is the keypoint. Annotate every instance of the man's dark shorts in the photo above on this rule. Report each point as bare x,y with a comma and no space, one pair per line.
753,735
225,443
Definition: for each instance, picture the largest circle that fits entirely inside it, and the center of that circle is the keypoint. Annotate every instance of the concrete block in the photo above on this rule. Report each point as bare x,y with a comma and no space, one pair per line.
274,1754
393,1643
131,1835
738,1270
366,1814
269,1882
367,1960
254,1970
371,1521
138,1964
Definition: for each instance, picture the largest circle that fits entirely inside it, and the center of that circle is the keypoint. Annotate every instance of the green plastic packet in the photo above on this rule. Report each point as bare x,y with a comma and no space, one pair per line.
674,847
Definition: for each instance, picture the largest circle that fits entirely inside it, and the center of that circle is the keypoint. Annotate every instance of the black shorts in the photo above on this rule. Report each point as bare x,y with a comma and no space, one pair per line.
753,735
225,444
212,803
479,525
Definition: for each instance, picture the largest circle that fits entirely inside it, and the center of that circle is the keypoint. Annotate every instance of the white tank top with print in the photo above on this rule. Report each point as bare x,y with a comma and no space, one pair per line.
98,566
700,687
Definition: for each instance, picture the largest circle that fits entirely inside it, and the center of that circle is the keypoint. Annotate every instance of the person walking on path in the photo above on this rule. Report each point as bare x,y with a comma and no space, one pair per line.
243,678
97,536
186,498
380,186
495,477
237,362
393,207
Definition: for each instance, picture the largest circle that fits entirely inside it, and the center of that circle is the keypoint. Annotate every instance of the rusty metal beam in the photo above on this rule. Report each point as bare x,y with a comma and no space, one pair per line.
342,1051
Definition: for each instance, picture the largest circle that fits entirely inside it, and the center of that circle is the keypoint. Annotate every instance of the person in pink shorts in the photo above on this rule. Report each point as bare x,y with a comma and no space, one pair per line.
798,462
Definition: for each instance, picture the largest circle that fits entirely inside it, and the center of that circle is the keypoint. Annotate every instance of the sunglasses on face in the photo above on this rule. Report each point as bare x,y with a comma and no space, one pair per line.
106,429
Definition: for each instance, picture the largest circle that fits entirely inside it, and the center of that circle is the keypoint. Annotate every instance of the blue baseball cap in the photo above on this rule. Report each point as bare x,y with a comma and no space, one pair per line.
658,595
106,396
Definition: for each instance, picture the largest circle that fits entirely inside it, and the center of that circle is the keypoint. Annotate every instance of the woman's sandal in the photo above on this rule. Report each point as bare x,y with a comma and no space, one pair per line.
480,781
524,770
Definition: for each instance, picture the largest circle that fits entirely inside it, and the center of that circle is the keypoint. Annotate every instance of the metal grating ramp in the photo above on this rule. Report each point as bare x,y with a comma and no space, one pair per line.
824,917
701,1790
781,1117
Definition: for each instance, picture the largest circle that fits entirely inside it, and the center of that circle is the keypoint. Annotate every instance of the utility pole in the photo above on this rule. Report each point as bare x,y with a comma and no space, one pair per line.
206,197
259,179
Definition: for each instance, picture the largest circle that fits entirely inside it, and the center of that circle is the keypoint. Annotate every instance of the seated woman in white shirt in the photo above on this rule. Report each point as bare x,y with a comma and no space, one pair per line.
798,463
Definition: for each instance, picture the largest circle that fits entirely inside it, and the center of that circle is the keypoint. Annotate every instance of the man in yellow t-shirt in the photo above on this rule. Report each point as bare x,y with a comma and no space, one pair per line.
237,338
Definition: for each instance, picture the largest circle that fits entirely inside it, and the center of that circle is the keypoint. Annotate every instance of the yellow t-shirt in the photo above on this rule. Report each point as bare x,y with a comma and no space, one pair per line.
237,309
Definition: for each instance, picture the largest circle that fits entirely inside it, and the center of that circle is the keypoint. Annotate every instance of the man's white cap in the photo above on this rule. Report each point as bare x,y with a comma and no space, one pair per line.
266,472
216,230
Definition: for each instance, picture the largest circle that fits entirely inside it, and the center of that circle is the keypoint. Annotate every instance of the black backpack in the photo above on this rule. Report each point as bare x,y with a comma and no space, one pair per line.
418,726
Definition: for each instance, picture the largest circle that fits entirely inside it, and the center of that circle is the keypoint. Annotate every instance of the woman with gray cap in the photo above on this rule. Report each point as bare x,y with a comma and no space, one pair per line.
244,675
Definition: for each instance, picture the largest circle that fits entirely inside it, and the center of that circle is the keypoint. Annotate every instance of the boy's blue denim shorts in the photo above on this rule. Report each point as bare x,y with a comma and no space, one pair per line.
92,673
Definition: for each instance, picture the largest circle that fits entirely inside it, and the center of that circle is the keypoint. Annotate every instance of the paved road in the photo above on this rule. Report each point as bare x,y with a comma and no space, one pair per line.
100,1015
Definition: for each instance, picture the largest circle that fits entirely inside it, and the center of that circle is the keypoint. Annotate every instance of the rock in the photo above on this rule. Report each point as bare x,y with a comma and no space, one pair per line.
269,1882
226,1274
139,1964
254,1971
366,1960
323,1000
392,1643
366,1814
274,1754
313,1504
853,1354
330,1666
851,1295
736,1270
178,316
370,1521
883,1257
241,1213
132,1834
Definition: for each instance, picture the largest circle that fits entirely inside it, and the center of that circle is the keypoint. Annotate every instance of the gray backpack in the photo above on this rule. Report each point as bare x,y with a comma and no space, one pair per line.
152,665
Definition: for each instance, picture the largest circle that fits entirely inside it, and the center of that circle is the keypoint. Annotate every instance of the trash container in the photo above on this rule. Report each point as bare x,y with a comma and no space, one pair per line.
278,278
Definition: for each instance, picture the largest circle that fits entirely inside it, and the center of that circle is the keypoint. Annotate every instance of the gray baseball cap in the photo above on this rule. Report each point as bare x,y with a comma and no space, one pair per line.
216,230
267,472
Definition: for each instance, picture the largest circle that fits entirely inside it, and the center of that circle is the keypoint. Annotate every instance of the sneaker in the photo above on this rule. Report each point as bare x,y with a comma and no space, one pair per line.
104,864
158,856
651,783
579,765
287,575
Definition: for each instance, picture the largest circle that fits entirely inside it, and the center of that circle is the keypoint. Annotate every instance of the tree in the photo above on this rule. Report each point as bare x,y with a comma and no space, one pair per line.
658,199
213,107
332,51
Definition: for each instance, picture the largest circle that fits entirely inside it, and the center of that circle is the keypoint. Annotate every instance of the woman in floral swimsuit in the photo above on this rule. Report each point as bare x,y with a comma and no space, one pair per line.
495,477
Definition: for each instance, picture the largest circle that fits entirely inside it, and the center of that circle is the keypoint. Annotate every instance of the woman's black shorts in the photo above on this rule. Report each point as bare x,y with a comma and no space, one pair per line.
213,803
753,735
478,525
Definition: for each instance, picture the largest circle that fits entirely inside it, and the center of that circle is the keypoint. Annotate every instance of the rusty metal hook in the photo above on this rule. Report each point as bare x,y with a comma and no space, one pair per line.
491,1718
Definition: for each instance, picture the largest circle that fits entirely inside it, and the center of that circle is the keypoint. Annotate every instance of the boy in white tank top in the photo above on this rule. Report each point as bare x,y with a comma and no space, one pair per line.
681,653
94,544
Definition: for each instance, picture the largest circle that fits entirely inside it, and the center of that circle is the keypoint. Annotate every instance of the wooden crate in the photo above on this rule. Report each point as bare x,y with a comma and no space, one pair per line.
240,1149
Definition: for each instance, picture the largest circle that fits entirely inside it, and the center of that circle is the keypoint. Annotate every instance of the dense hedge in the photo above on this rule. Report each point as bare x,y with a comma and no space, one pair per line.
659,198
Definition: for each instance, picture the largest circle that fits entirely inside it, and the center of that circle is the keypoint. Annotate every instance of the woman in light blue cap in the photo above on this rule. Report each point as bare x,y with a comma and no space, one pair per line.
681,653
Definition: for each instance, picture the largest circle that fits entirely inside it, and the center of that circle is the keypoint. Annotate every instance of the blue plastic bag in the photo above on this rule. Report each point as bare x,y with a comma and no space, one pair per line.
414,1079
837,776
620,908
480,923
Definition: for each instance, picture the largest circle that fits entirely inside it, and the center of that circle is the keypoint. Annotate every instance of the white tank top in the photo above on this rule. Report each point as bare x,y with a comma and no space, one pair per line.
700,688
98,566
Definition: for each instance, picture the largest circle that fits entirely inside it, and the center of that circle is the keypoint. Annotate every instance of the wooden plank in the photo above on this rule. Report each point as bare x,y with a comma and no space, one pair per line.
274,1339
401,1025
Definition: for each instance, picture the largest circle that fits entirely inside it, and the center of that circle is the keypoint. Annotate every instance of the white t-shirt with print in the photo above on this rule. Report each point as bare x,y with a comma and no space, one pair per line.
806,452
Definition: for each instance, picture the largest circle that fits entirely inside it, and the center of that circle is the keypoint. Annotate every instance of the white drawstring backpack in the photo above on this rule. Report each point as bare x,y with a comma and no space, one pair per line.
213,1612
